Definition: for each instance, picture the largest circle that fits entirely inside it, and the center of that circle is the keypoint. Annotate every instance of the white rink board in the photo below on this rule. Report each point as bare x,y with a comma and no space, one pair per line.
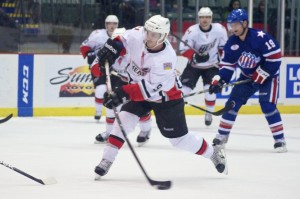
8,80
58,67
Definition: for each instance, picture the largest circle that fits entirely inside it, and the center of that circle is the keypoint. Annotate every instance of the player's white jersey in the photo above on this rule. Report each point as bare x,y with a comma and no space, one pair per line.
96,39
205,42
153,72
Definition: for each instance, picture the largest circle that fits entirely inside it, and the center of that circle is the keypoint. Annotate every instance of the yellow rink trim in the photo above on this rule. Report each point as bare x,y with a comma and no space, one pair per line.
90,111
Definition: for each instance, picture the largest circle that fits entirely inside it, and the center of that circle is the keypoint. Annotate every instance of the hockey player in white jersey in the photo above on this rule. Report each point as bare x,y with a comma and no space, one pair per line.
208,39
119,79
153,86
89,49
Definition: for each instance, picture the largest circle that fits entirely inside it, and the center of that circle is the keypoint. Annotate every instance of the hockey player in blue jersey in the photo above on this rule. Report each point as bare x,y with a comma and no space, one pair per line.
258,56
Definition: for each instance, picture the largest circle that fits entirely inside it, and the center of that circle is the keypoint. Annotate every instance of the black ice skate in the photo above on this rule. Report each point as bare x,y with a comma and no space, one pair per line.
280,147
101,138
143,137
102,168
219,160
220,141
97,115
208,119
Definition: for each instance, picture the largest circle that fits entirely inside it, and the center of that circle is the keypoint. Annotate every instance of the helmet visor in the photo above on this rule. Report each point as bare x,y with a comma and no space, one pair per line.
234,26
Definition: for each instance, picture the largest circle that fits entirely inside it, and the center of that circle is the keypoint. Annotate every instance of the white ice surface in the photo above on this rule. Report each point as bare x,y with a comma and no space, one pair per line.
62,147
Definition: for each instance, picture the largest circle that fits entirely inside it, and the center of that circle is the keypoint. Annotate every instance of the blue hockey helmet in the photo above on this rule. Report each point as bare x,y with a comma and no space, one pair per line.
238,15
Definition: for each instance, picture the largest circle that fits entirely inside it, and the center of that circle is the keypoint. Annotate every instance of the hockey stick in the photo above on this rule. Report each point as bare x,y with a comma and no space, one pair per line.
6,119
163,185
184,42
224,86
217,113
47,181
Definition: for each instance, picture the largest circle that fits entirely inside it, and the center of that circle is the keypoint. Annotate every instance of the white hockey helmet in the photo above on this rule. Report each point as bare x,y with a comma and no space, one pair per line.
112,18
205,12
118,32
158,24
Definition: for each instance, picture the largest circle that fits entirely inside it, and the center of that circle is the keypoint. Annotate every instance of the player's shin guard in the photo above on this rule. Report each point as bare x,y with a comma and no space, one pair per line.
145,125
210,101
98,106
194,143
226,124
110,152
99,94
275,123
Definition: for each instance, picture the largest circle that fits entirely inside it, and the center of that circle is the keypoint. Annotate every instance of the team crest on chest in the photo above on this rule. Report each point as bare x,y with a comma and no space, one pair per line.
248,60
140,71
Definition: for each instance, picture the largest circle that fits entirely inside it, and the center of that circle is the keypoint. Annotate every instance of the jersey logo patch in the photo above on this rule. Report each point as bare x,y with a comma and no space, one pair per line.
168,66
234,47
248,60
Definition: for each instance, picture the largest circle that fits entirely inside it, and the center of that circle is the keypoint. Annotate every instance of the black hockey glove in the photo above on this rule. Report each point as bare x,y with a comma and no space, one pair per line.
110,52
200,58
91,56
115,99
216,85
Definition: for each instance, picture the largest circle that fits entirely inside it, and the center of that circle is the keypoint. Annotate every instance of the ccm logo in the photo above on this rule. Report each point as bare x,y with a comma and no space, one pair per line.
25,83
110,48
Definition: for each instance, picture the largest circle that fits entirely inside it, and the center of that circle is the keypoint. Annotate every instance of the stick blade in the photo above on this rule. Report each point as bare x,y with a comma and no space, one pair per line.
49,181
6,119
161,185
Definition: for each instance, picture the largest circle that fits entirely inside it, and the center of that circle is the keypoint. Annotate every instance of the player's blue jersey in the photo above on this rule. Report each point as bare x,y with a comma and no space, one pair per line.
258,49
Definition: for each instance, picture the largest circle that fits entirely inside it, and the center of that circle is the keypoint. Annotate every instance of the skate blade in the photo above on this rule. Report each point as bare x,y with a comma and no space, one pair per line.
140,144
225,172
281,149
97,177
97,142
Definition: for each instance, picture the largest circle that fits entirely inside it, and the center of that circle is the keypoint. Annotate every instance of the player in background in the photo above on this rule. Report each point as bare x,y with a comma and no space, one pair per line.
153,86
258,55
120,68
208,39
89,49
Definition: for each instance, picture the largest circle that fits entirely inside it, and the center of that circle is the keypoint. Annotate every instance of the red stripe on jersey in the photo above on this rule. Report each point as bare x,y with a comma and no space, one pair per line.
98,100
275,129
145,118
275,90
84,50
188,54
203,148
110,120
174,93
95,70
275,56
116,141
134,92
210,103
225,125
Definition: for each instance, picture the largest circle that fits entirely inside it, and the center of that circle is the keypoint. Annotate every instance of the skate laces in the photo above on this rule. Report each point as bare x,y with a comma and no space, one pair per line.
222,138
217,157
104,135
105,164
144,133
208,117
